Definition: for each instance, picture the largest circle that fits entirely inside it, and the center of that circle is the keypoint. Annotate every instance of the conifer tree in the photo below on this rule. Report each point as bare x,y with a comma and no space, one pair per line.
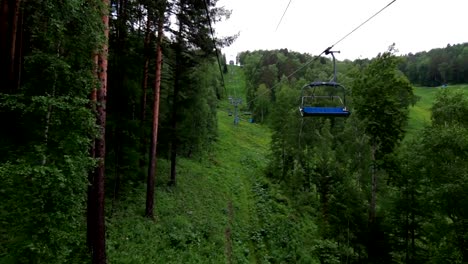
96,217
154,129
193,43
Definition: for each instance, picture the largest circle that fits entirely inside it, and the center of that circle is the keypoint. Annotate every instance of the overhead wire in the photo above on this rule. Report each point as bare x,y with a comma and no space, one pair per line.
284,13
363,23
326,50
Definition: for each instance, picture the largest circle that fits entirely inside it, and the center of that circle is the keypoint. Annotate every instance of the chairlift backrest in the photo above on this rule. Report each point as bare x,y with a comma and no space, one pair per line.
324,98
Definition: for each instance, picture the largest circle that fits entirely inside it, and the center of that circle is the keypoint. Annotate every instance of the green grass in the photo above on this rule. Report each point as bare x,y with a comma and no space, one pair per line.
420,114
235,82
213,197
223,210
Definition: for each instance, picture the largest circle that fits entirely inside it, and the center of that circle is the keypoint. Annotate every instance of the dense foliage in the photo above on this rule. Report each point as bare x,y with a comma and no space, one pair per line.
375,198
438,66
46,135
50,123
336,190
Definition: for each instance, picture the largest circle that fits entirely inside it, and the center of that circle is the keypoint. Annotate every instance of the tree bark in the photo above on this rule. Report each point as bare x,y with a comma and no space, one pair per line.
154,132
91,202
11,24
96,217
118,85
144,88
177,73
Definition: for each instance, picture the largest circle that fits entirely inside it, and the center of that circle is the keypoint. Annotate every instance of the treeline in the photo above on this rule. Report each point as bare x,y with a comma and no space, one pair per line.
267,70
437,67
374,197
88,89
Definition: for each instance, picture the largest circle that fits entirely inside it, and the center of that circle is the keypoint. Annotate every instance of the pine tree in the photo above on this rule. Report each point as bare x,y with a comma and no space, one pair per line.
193,20
96,213
154,129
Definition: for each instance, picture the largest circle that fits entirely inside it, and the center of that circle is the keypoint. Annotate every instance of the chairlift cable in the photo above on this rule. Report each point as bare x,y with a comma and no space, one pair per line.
363,23
326,50
284,13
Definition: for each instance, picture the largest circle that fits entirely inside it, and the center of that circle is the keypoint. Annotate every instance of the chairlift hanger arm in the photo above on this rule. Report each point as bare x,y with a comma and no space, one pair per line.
328,51
327,110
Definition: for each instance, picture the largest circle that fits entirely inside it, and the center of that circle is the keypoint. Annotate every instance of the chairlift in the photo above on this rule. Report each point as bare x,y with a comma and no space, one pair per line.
326,99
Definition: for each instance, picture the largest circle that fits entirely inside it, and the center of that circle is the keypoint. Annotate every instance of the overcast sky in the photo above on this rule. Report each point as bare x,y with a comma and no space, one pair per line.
310,26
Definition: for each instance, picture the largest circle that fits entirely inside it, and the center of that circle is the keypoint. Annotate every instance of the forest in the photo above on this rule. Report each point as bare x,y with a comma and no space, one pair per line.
118,144
380,193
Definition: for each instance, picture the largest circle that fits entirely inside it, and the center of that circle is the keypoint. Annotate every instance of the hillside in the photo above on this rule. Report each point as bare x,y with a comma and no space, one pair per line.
223,209
91,89
420,113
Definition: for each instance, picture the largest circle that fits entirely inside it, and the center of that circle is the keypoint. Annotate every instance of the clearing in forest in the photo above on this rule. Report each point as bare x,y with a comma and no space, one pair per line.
420,113
217,213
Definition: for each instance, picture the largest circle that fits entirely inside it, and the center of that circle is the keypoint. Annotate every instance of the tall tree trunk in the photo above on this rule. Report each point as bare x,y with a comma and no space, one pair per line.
177,74
91,203
11,23
144,88
118,87
373,186
96,194
18,58
4,26
14,28
174,123
154,131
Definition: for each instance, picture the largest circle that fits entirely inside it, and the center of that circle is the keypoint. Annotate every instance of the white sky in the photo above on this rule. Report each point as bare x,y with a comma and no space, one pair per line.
310,26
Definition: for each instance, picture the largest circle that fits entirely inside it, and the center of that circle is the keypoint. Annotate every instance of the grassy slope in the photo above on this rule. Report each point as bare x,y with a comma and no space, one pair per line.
223,210
420,114
212,213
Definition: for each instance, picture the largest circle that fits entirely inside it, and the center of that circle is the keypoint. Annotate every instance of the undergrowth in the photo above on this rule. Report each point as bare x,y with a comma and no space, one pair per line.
223,209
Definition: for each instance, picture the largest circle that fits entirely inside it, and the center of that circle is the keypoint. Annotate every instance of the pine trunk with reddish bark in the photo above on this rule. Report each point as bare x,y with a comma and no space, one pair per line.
11,33
96,217
143,140
154,130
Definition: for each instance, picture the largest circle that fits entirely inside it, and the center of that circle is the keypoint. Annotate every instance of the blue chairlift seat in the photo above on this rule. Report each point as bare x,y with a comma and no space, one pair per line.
316,104
324,111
